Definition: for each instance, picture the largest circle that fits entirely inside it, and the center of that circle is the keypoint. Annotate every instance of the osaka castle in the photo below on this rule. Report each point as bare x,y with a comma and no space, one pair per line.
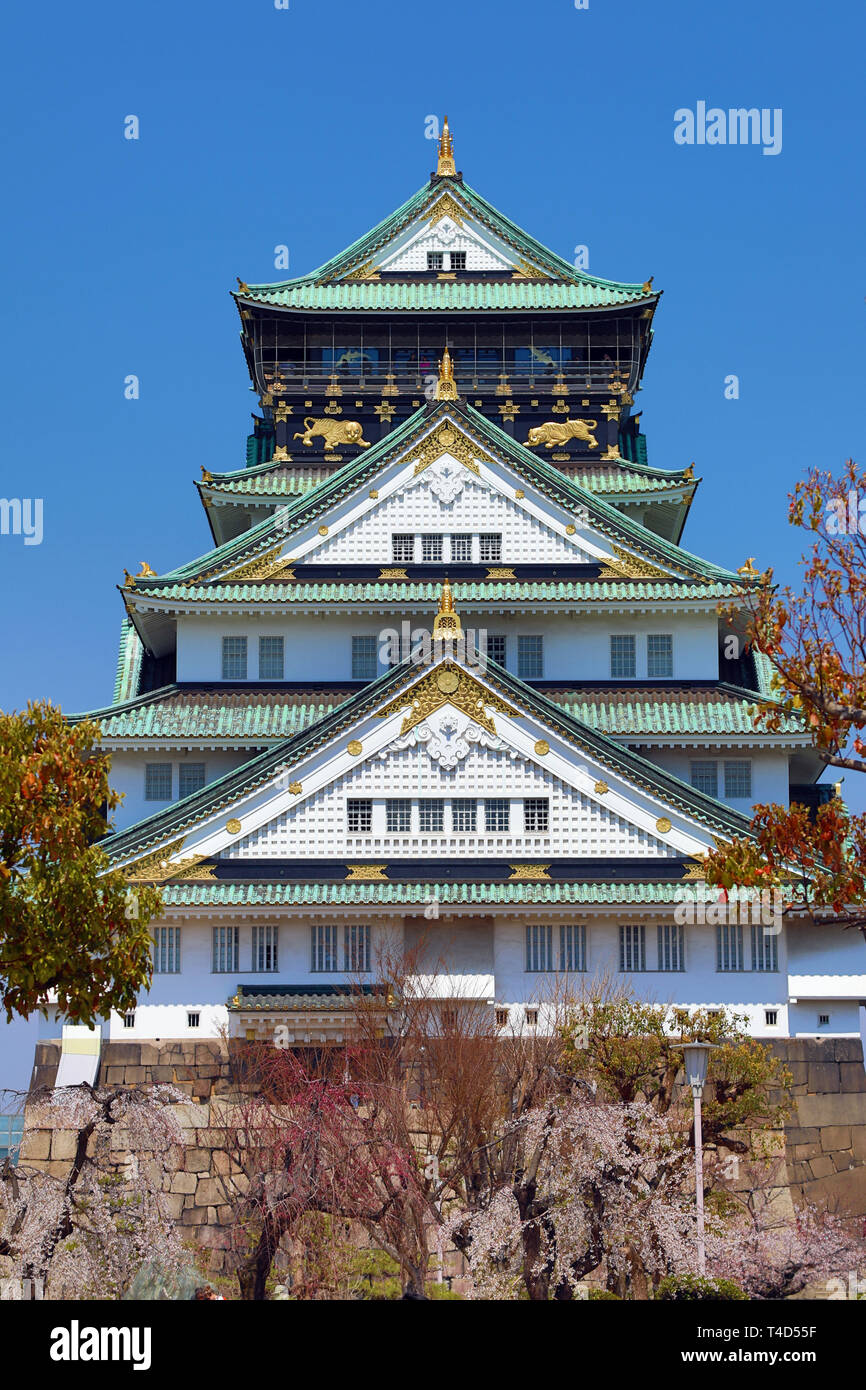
444,676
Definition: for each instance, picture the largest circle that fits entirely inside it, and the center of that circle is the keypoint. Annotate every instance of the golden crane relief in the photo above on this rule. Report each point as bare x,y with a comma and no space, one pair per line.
555,433
333,432
446,386
447,624
445,166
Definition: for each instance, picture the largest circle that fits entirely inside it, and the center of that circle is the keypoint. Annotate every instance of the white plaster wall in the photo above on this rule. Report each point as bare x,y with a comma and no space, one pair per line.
128,775
769,771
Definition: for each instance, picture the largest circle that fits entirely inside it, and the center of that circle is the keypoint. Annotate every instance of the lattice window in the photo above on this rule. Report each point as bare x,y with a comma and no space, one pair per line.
359,816
398,815
704,776
157,782
464,815
572,946
632,948
765,950
234,658
272,662
496,813
738,779
457,260
729,947
530,657
356,948
364,659
671,947
166,950
536,814
226,950
431,815
539,947
403,547
324,942
265,944
660,655
190,778
623,661
496,645
431,548
435,260
461,548
490,547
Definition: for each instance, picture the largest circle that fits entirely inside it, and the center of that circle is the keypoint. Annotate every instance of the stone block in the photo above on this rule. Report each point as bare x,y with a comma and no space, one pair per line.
822,1167
207,1071
842,1159
35,1145
835,1137
852,1077
801,1152
198,1160
122,1054
64,1143
858,1142
799,1073
174,1205
206,1053
193,1216
191,1116
162,1075
824,1077
848,1050
843,1191
832,1110
209,1192
111,1076
184,1182
796,1135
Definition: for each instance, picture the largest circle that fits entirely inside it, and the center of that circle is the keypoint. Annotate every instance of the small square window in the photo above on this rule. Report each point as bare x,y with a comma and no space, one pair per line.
364,659
129,1019
448,1018
271,658
234,658
771,1018
398,816
536,814
359,816
704,773
738,779
660,656
496,647
490,547
190,778
431,815
157,782
531,1016
403,548
193,1020
823,1020
435,260
530,658
461,548
431,549
622,657
502,1018
464,815
496,814
458,260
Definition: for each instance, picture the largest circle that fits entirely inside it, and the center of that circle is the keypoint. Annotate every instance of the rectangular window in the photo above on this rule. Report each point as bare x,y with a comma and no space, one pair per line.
771,1018
323,941
398,816
572,947
536,814
539,948
364,663
431,815
157,782
265,948
496,647
461,549
464,815
622,657
502,1018
490,547
359,816
496,813
738,779
272,662
660,655
458,260
431,549
166,950
632,948
729,947
671,943
193,1020
234,658
129,1020
765,950
435,260
226,950
190,778
356,949
704,775
403,548
530,658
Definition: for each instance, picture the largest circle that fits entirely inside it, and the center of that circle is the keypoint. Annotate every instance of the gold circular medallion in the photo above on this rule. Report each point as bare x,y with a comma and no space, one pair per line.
448,680
356,747
295,788
542,747
601,788
570,530
233,826
374,492
519,494
323,530
663,825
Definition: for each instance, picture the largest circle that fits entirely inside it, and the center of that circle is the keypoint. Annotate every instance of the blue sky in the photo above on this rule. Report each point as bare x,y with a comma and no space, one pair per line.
304,127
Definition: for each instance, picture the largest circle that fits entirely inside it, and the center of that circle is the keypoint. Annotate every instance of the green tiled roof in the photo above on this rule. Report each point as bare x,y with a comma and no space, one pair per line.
224,894
129,657
563,286
465,592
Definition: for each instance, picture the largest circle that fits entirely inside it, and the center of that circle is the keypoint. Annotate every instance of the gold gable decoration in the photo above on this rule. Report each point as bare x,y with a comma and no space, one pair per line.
628,566
525,270
446,206
368,271
272,565
155,867
447,439
446,684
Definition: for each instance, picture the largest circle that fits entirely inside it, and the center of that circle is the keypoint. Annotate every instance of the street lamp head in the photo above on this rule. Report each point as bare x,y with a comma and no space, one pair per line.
696,1056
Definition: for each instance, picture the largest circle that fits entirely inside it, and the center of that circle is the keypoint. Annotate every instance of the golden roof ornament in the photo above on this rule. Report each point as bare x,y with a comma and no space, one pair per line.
447,625
446,386
445,165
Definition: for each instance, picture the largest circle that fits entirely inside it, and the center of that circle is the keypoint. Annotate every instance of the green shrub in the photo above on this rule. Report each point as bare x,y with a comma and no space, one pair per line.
596,1295
679,1287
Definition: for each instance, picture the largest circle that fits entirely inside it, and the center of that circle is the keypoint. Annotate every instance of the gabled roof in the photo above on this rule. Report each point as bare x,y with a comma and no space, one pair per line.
349,280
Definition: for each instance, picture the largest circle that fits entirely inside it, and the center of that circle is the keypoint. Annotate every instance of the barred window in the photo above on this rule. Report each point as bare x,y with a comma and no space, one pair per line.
729,947
765,949
129,1019
671,944
265,948
435,260
704,774
632,948
660,655
490,547
461,548
359,816
464,814
193,1018
539,948
364,663
496,647
530,658
398,815
572,946
431,549
166,950
431,814
324,944
356,948
536,814
496,813
157,782
403,548
226,950
234,658
622,656
190,778
271,658
738,779
458,260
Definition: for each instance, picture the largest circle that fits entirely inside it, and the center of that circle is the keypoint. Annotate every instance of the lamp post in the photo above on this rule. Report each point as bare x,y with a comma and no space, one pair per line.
696,1057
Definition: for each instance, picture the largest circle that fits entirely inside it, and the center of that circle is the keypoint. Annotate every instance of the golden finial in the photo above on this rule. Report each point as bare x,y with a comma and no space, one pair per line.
445,163
647,285
748,568
446,386
145,570
690,472
447,625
